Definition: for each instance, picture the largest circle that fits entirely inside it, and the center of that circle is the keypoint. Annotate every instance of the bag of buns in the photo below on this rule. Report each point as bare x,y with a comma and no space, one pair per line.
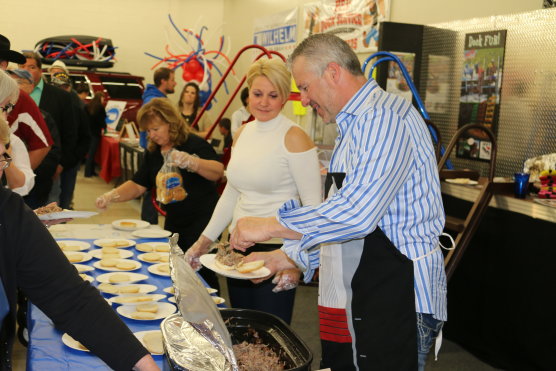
169,182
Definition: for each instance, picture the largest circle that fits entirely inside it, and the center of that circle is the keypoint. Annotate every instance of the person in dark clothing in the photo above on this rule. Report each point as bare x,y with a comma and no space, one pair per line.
225,129
170,137
68,176
31,260
97,120
45,171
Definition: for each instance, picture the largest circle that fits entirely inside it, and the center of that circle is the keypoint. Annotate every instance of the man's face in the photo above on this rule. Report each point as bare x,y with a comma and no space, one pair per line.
25,85
31,66
4,65
315,90
169,85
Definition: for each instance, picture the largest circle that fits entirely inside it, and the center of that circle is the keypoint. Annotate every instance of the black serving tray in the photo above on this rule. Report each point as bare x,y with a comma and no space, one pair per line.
242,324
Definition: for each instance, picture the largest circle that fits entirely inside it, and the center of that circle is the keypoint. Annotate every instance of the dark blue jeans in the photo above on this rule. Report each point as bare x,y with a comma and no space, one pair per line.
427,331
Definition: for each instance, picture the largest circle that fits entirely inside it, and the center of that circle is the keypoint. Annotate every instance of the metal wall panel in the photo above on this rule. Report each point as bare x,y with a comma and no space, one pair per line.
527,124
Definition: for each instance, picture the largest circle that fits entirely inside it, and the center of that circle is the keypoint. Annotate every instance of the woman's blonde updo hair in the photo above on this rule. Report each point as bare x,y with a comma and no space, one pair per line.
163,110
275,70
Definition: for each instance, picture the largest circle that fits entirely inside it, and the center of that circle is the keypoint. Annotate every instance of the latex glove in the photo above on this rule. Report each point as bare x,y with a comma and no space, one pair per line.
200,247
106,199
184,160
286,280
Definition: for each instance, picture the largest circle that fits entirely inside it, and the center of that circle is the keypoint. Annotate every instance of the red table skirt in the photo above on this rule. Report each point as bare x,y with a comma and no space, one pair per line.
108,157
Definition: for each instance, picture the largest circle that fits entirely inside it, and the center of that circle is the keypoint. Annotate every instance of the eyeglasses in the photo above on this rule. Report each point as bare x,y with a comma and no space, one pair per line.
7,108
5,163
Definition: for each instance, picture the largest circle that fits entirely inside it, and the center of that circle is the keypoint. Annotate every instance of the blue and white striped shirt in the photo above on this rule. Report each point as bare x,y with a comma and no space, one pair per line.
385,150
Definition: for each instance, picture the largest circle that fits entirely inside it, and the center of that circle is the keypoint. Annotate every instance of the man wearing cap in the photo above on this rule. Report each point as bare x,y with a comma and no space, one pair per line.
25,118
61,79
57,102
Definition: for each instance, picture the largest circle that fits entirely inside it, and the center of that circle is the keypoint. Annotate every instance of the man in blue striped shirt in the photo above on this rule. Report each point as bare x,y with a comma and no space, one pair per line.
382,289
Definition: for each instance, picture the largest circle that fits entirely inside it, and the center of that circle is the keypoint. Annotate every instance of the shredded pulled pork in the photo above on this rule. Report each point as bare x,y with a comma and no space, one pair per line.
227,256
257,357
51,208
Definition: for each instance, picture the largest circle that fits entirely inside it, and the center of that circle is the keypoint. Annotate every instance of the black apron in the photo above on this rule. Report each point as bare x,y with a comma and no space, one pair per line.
383,308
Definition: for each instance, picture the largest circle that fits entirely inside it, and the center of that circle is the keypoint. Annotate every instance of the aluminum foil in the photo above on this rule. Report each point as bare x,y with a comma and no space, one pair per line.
196,338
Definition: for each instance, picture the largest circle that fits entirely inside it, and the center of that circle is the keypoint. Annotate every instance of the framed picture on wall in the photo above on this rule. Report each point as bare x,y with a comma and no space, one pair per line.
480,91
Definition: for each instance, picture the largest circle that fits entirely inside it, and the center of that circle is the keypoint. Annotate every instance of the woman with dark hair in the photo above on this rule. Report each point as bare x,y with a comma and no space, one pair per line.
199,168
97,121
190,106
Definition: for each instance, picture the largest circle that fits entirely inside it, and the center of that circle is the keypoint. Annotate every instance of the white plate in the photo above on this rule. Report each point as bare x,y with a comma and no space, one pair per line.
218,300
124,254
211,290
143,288
67,214
86,277
138,224
142,258
139,335
78,245
152,246
72,343
133,277
151,233
208,261
464,181
82,268
119,242
172,299
153,298
164,310
85,256
154,269
98,265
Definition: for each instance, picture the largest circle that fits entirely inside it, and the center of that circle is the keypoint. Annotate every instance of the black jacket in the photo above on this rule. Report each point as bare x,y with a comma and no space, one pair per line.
31,260
58,103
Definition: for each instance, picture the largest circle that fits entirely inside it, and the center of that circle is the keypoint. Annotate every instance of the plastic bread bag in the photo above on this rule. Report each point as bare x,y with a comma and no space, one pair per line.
169,182
196,338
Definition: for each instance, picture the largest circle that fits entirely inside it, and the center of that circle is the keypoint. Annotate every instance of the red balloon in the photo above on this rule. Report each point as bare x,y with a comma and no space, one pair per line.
193,70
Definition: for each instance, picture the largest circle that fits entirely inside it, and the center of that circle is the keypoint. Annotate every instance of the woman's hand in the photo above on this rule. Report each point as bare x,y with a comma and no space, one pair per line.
200,247
184,160
106,199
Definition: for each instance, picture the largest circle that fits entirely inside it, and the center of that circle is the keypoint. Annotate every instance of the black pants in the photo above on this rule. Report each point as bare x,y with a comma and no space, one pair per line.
247,295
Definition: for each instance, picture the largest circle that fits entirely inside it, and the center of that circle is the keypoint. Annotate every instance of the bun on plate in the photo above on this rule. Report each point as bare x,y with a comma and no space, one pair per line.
224,266
249,267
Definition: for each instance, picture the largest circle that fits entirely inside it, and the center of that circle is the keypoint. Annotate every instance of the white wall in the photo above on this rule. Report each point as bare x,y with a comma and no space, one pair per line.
136,26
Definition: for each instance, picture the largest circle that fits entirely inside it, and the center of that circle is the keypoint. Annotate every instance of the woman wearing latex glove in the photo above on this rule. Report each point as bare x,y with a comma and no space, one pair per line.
273,161
199,168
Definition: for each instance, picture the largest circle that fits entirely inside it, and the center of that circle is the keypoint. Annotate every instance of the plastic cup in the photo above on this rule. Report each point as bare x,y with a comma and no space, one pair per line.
521,184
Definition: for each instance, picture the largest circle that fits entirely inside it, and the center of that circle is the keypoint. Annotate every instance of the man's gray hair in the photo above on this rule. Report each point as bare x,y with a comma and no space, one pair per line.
322,49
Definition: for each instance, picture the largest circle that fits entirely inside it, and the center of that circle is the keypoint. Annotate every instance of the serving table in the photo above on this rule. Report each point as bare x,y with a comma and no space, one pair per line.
46,350
500,306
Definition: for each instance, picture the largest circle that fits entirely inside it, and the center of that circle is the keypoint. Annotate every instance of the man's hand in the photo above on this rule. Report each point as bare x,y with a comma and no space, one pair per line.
275,261
249,230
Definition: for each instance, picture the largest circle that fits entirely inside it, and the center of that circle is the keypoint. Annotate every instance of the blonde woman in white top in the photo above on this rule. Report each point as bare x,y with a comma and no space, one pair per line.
273,161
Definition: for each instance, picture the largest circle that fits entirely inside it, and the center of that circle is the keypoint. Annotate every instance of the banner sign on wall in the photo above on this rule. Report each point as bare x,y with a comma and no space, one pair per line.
277,32
355,21
480,91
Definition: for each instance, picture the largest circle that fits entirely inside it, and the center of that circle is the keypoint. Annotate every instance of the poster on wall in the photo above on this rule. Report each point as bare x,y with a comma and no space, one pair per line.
114,111
355,21
277,32
480,91
396,82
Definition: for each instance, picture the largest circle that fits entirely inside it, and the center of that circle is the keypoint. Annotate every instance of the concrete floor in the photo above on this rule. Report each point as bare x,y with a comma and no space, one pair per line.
305,317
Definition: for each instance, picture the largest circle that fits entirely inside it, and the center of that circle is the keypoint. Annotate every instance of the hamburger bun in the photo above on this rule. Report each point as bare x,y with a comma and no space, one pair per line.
249,267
